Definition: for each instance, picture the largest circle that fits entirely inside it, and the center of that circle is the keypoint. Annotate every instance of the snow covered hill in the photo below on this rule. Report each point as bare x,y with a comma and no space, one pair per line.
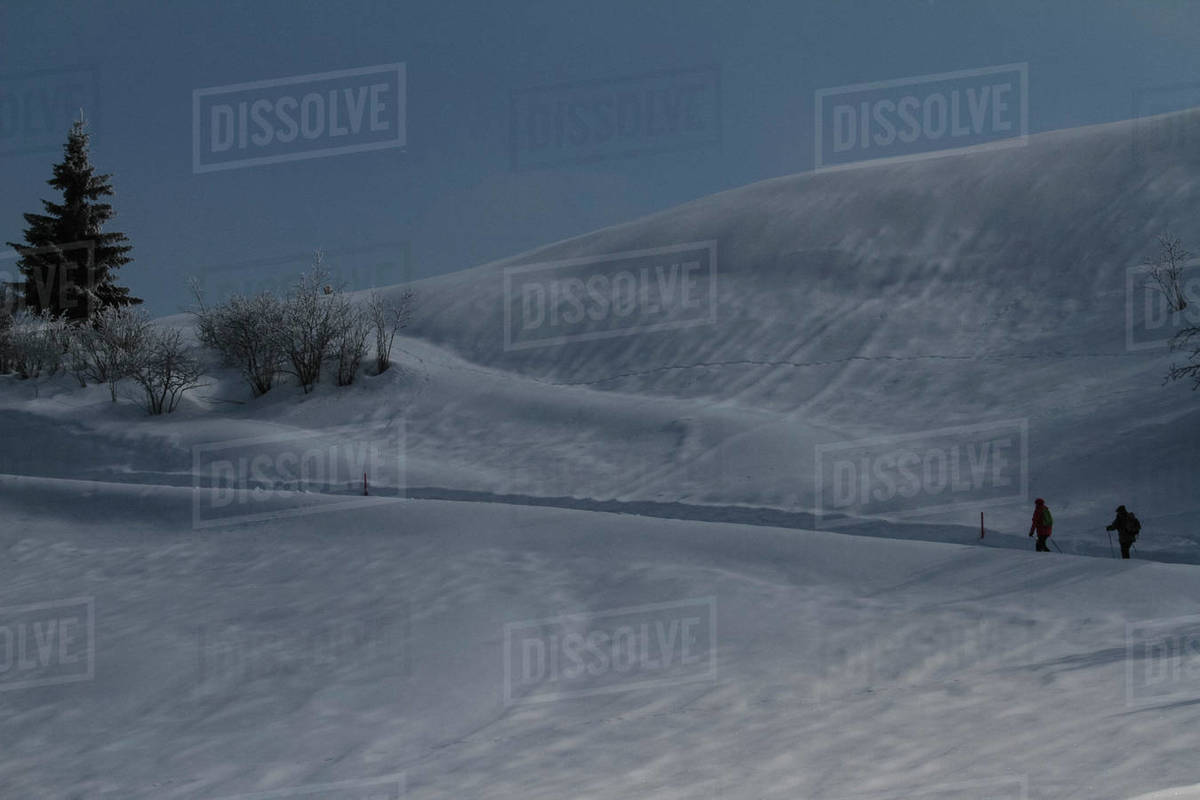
848,308
891,300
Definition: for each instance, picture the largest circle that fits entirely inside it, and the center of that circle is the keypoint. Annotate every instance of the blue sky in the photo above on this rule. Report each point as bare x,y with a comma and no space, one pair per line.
454,196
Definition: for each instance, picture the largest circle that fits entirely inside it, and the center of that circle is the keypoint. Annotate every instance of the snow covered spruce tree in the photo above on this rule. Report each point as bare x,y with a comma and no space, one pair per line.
68,264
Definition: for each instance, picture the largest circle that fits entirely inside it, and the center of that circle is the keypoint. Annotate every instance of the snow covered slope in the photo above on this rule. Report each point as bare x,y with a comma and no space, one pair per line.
229,661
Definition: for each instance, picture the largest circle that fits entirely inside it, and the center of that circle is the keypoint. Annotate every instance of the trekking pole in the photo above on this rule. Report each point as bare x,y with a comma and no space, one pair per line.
1056,547
1110,545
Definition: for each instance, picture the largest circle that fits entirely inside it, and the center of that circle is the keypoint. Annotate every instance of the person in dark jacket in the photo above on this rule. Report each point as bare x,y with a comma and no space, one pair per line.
1125,533
1041,524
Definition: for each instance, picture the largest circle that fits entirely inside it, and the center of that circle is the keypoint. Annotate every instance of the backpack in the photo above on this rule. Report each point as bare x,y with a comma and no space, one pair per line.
1047,517
1133,526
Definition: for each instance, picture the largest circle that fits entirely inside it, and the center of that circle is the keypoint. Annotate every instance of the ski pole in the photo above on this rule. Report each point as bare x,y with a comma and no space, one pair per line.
1110,545
1056,547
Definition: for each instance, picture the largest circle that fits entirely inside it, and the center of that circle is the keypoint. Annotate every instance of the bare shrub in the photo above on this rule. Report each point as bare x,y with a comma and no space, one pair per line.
350,346
6,323
388,316
165,367
1166,270
314,315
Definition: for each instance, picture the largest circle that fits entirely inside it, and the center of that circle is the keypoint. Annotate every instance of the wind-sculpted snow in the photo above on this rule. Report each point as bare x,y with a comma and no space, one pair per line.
1023,251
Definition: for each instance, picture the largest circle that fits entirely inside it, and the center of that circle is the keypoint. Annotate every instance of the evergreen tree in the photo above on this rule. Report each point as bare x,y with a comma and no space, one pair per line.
67,262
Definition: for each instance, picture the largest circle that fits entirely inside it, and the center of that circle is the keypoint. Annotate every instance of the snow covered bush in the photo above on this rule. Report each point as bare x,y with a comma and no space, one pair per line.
350,346
165,367
33,344
8,303
75,355
298,334
110,349
388,316
315,315
244,332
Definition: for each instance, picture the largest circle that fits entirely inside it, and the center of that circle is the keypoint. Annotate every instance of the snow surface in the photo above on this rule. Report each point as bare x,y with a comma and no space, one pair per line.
673,472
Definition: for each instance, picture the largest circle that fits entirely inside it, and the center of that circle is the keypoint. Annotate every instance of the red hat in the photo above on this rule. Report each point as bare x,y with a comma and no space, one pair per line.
1040,501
